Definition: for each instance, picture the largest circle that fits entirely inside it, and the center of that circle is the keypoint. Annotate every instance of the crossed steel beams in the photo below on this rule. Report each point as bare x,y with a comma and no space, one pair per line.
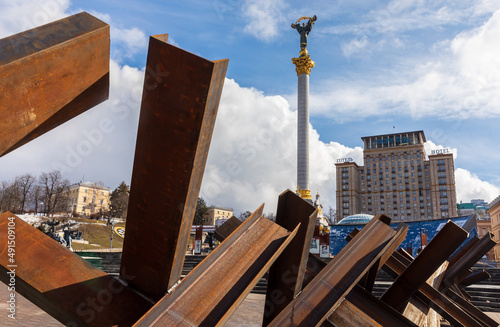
179,105
62,284
49,75
180,100
210,293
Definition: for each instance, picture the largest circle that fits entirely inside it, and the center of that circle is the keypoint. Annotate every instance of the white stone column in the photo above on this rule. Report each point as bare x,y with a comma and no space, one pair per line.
303,66
303,132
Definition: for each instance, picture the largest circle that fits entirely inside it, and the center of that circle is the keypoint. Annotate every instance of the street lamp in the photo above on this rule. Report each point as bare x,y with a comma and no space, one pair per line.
111,238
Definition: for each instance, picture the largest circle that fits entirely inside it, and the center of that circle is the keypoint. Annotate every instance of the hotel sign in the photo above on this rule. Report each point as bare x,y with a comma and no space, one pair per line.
396,140
341,160
441,151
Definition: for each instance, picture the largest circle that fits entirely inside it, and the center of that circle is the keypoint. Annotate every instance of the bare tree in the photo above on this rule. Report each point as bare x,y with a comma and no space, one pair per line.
244,215
10,197
270,216
36,195
24,184
332,216
54,188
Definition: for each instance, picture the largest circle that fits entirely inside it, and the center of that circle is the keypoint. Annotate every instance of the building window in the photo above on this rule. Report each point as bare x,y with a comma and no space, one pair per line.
84,199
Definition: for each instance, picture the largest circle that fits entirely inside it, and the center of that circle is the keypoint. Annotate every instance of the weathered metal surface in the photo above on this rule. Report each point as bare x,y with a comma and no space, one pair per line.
462,250
420,312
61,283
475,278
325,292
210,293
224,230
287,273
470,309
366,303
179,105
460,269
377,311
49,75
432,297
432,256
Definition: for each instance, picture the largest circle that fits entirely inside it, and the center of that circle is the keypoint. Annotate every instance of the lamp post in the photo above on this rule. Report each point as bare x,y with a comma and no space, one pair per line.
111,238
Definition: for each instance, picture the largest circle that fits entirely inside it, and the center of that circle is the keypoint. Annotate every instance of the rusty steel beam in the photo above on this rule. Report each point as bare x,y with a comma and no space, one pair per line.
474,278
61,283
432,256
224,230
462,250
287,273
179,105
449,304
211,292
471,309
325,292
49,75
433,298
357,305
460,269
361,304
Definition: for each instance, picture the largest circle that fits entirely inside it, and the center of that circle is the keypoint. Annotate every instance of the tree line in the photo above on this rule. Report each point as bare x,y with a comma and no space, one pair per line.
40,194
48,194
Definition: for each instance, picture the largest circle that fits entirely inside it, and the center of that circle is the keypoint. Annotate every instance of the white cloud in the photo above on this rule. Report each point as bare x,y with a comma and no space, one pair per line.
354,46
253,155
429,146
125,42
469,187
264,18
397,19
99,143
463,81
21,15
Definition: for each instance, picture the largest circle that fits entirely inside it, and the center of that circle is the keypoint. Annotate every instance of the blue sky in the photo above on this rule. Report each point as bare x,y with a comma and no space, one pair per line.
381,66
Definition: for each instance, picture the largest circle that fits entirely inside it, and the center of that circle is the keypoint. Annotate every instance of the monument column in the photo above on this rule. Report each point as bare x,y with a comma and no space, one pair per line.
303,65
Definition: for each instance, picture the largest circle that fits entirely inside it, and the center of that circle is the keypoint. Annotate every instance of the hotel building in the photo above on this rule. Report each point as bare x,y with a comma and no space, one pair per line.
398,179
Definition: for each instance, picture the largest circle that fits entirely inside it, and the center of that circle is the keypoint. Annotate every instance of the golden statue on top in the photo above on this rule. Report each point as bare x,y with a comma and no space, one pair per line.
304,30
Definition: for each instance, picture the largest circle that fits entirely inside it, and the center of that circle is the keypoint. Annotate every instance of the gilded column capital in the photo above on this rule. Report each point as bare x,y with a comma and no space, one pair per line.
303,65
304,194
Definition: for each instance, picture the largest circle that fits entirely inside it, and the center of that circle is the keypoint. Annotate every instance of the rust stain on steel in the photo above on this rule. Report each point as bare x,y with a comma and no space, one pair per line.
462,250
325,292
62,284
460,269
471,309
211,292
432,297
49,75
287,273
365,303
370,306
224,230
179,105
475,278
432,256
